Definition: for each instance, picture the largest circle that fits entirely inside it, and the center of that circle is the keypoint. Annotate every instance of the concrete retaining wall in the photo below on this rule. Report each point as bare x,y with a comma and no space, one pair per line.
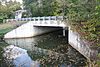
79,44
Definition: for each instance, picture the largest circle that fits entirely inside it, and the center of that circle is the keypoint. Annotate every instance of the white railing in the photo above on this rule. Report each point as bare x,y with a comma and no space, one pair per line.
37,18
56,21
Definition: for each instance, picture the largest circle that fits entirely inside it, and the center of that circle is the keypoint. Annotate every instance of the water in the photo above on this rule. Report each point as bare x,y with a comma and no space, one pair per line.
49,50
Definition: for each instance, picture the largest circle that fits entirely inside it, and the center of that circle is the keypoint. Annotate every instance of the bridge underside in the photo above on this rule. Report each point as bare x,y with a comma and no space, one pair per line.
28,30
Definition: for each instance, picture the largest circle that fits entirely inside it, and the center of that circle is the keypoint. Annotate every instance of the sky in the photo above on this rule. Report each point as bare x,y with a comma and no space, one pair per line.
17,1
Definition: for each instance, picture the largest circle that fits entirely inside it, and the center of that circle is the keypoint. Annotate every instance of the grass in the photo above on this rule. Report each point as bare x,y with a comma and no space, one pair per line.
98,61
98,64
6,27
4,31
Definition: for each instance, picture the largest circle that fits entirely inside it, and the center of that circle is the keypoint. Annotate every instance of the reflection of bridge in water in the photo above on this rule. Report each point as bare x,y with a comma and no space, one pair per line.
30,46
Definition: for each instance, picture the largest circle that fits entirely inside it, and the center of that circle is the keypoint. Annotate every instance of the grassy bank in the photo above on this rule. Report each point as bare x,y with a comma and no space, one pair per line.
6,27
4,31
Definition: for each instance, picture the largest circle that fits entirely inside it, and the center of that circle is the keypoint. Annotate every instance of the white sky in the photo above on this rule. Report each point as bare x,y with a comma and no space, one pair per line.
17,1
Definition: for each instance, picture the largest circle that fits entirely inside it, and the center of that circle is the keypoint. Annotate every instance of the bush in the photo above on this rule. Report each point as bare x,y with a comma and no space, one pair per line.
1,20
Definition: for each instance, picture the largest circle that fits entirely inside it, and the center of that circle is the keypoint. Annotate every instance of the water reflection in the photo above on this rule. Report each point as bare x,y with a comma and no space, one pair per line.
50,50
18,57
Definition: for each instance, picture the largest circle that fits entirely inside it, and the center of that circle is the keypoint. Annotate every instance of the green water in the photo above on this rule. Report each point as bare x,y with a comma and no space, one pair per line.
51,50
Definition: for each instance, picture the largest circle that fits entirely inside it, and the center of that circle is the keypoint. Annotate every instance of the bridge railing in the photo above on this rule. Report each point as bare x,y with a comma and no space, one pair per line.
49,21
37,18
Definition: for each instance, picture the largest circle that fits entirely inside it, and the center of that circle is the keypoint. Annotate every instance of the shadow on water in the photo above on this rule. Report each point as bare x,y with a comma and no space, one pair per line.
50,50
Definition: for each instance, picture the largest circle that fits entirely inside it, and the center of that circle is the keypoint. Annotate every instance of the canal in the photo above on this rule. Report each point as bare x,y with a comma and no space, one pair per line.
48,50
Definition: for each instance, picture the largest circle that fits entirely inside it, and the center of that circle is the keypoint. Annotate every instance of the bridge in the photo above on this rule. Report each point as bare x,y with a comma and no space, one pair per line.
39,25
34,26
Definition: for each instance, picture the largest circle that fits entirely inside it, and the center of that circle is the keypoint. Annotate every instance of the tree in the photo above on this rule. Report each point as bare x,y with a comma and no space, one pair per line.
43,7
85,14
7,10
80,10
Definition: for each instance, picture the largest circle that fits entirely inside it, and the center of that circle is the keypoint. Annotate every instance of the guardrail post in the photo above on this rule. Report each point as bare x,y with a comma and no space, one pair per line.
49,18
44,19
39,20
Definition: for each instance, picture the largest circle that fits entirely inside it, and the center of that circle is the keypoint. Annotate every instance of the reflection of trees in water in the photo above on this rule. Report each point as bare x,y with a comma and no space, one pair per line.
61,55
3,61
65,56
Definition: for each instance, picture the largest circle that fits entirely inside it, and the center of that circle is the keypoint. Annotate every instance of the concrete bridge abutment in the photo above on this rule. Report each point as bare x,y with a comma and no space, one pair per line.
28,30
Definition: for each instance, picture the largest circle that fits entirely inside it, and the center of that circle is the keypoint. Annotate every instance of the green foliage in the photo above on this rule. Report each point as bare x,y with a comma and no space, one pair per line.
3,31
80,10
43,7
85,14
25,14
7,10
